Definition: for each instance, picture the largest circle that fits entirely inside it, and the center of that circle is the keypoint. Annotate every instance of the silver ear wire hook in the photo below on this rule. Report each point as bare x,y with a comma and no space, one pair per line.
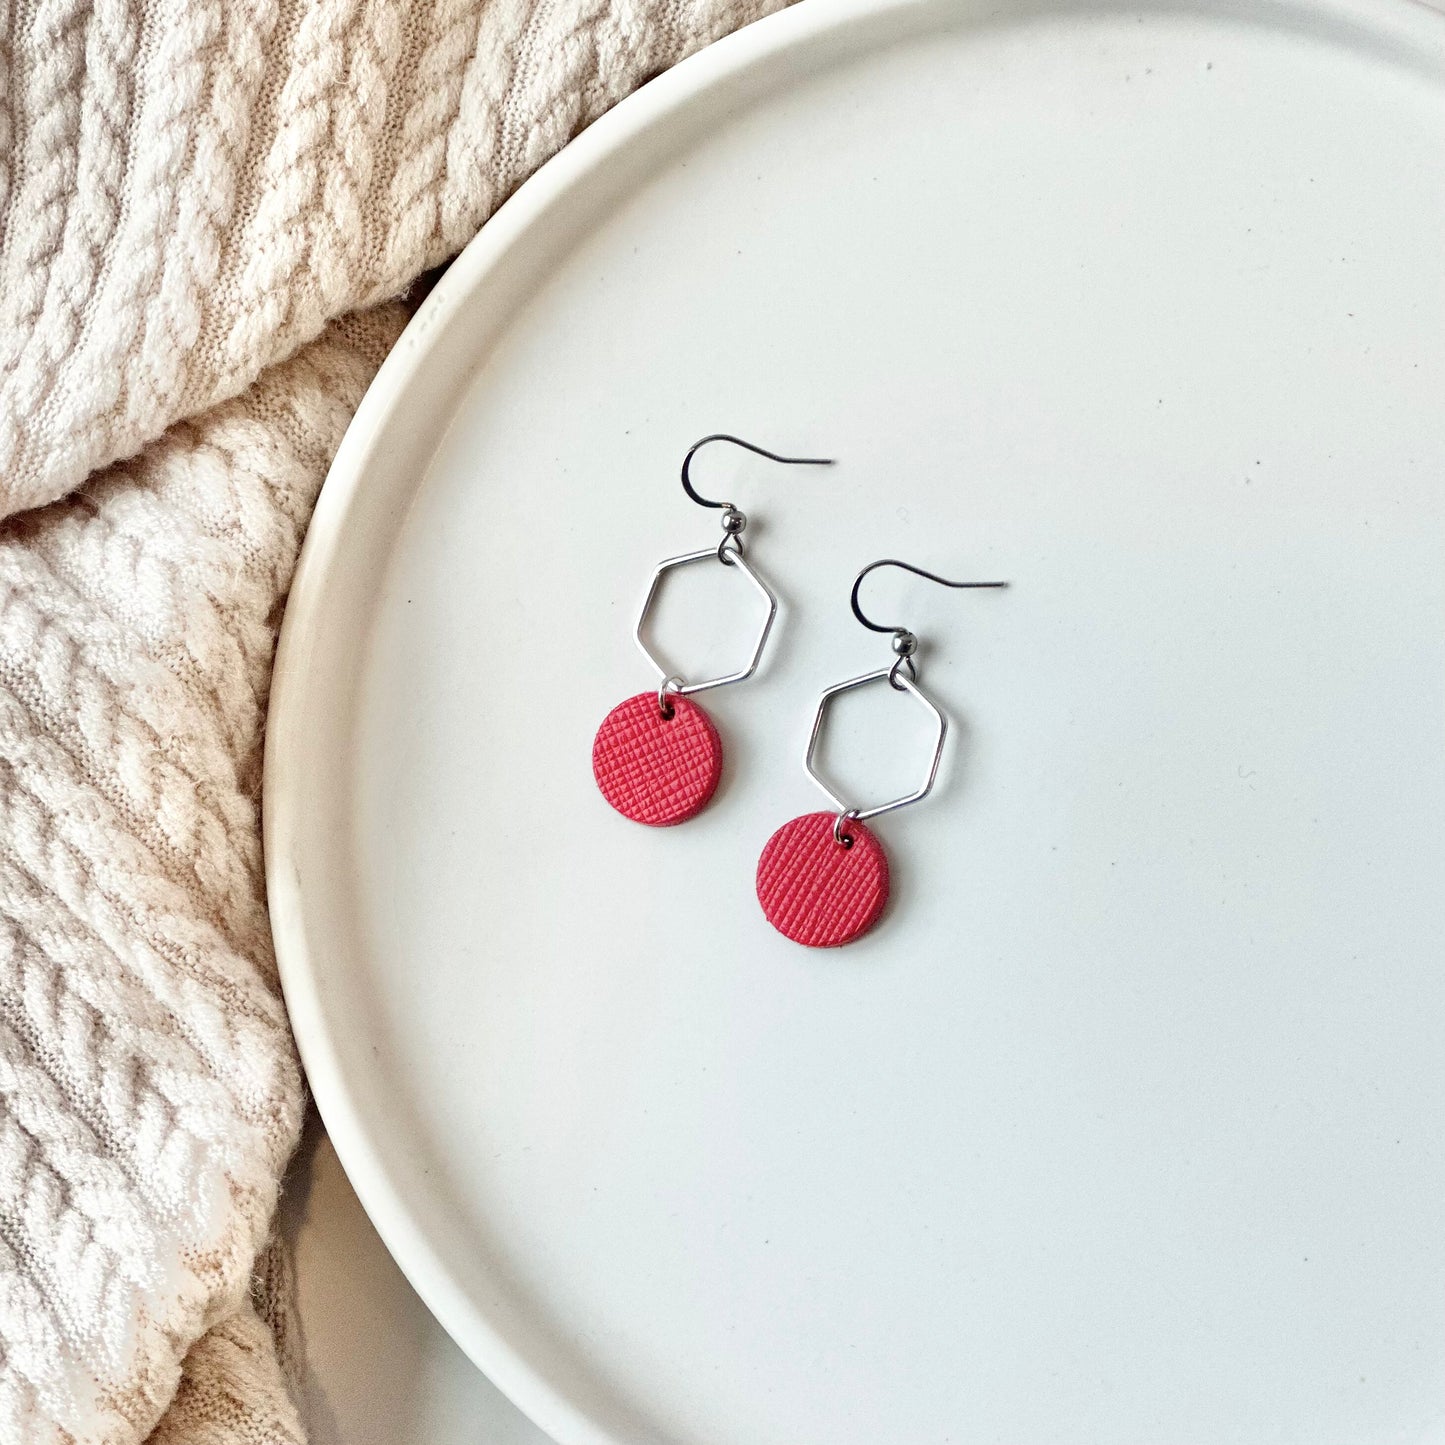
733,520
905,644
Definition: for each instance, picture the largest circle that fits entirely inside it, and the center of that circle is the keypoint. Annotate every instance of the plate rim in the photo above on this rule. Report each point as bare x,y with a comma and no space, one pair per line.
486,1344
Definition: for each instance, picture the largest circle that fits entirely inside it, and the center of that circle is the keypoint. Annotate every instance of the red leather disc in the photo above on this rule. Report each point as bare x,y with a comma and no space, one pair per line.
818,891
654,769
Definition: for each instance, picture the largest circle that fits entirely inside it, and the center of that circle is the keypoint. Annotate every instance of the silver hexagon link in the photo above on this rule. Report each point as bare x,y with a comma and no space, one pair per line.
900,681
745,569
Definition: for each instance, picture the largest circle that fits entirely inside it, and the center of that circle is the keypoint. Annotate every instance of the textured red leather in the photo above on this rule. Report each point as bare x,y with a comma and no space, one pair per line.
654,769
817,891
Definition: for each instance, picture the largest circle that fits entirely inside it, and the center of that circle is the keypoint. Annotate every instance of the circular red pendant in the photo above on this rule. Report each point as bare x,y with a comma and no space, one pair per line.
657,769
818,891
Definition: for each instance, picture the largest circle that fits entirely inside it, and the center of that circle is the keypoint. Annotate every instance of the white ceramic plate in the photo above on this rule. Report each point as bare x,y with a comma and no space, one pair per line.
1126,1125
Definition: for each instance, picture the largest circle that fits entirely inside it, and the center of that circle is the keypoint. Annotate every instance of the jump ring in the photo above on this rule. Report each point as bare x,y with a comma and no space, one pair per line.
839,837
669,684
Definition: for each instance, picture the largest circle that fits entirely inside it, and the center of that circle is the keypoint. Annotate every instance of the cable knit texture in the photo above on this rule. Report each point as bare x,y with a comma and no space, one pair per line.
204,207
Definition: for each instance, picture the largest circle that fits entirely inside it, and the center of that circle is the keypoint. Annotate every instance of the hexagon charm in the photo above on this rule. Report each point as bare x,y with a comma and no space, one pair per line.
745,568
902,682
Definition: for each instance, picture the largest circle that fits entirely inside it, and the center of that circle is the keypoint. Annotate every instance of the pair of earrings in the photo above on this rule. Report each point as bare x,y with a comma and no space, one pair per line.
822,879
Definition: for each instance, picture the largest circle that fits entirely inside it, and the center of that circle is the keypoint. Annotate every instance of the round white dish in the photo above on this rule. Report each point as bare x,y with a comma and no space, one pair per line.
1126,1124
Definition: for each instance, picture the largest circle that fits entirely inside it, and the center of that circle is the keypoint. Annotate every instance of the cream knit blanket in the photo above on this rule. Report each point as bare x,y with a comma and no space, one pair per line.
191,193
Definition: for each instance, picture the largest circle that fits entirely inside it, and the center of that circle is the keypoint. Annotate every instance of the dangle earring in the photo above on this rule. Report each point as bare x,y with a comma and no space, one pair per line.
823,878
657,757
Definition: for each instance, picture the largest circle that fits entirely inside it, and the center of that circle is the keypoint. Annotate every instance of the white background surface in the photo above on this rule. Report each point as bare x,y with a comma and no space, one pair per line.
1126,1124
379,1369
